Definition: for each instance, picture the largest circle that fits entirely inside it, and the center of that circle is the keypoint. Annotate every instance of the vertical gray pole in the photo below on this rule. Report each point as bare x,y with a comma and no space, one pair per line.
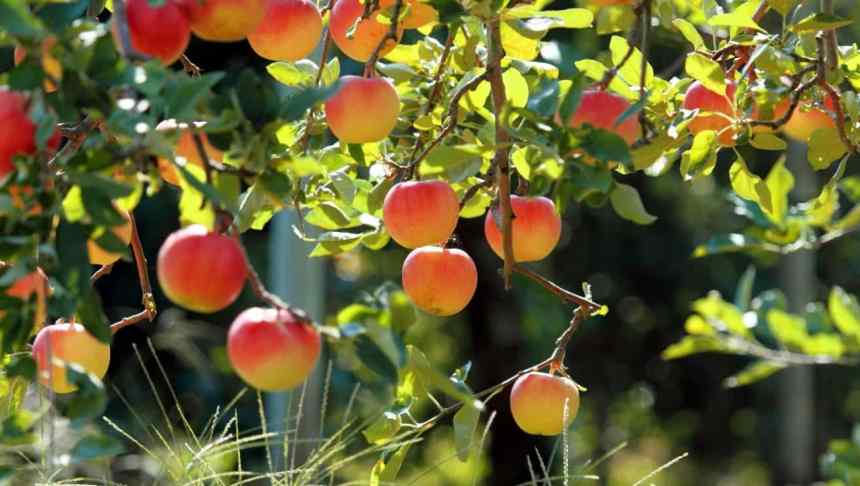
300,281
796,385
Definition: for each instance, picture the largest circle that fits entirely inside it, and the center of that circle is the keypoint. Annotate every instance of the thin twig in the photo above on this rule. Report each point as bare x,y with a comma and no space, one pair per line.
437,88
189,67
563,294
500,159
101,272
390,35
129,321
269,298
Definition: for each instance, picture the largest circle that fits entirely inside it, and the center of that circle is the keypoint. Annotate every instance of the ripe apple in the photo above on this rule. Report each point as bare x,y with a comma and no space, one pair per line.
160,31
225,20
367,34
440,281
19,131
722,109
535,231
201,270
420,213
807,118
601,109
289,31
63,343
538,402
98,255
271,349
363,109
186,150
50,64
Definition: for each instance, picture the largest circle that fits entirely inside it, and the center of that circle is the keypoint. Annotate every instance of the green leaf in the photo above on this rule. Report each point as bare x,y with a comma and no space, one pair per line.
465,423
89,401
571,18
748,185
780,182
741,17
372,356
295,74
768,141
690,345
631,71
297,105
96,446
753,373
386,468
628,204
455,163
383,429
845,312
690,33
825,146
820,211
743,293
722,315
784,7
419,364
789,329
821,21
16,19
706,71
516,88
701,159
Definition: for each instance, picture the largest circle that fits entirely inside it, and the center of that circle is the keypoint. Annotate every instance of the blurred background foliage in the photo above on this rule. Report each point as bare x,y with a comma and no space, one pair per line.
642,408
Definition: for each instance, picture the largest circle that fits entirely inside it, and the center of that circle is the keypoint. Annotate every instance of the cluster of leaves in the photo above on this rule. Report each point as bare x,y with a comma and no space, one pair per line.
763,328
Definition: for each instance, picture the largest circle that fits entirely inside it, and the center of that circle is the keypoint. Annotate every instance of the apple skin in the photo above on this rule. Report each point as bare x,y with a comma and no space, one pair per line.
538,403
440,281
19,131
362,110
698,96
50,64
271,349
186,149
224,20
70,343
162,32
420,213
601,109
290,30
536,229
201,270
366,36
807,118
98,256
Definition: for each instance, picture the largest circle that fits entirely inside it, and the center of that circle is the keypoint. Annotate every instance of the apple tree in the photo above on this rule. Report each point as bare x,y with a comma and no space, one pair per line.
102,108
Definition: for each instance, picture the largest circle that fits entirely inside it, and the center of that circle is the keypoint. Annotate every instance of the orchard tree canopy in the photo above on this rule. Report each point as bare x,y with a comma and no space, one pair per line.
388,122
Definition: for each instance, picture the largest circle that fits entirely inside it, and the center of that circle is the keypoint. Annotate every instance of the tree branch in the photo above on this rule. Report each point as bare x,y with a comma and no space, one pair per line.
101,272
562,293
500,159
370,66
306,138
149,309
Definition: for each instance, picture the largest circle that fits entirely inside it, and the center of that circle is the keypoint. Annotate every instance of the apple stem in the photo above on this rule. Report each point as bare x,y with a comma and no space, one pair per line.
101,272
500,159
391,35
190,68
271,299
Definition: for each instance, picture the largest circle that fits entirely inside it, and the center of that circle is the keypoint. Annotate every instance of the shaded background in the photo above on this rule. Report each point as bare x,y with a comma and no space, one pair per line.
644,274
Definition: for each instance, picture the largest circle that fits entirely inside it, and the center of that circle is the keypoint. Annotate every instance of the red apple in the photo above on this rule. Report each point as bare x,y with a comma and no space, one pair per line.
63,343
544,404
162,32
225,20
50,64
366,36
536,228
271,349
721,107
363,110
289,31
201,270
420,213
601,109
185,150
440,281
807,118
19,131
98,255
